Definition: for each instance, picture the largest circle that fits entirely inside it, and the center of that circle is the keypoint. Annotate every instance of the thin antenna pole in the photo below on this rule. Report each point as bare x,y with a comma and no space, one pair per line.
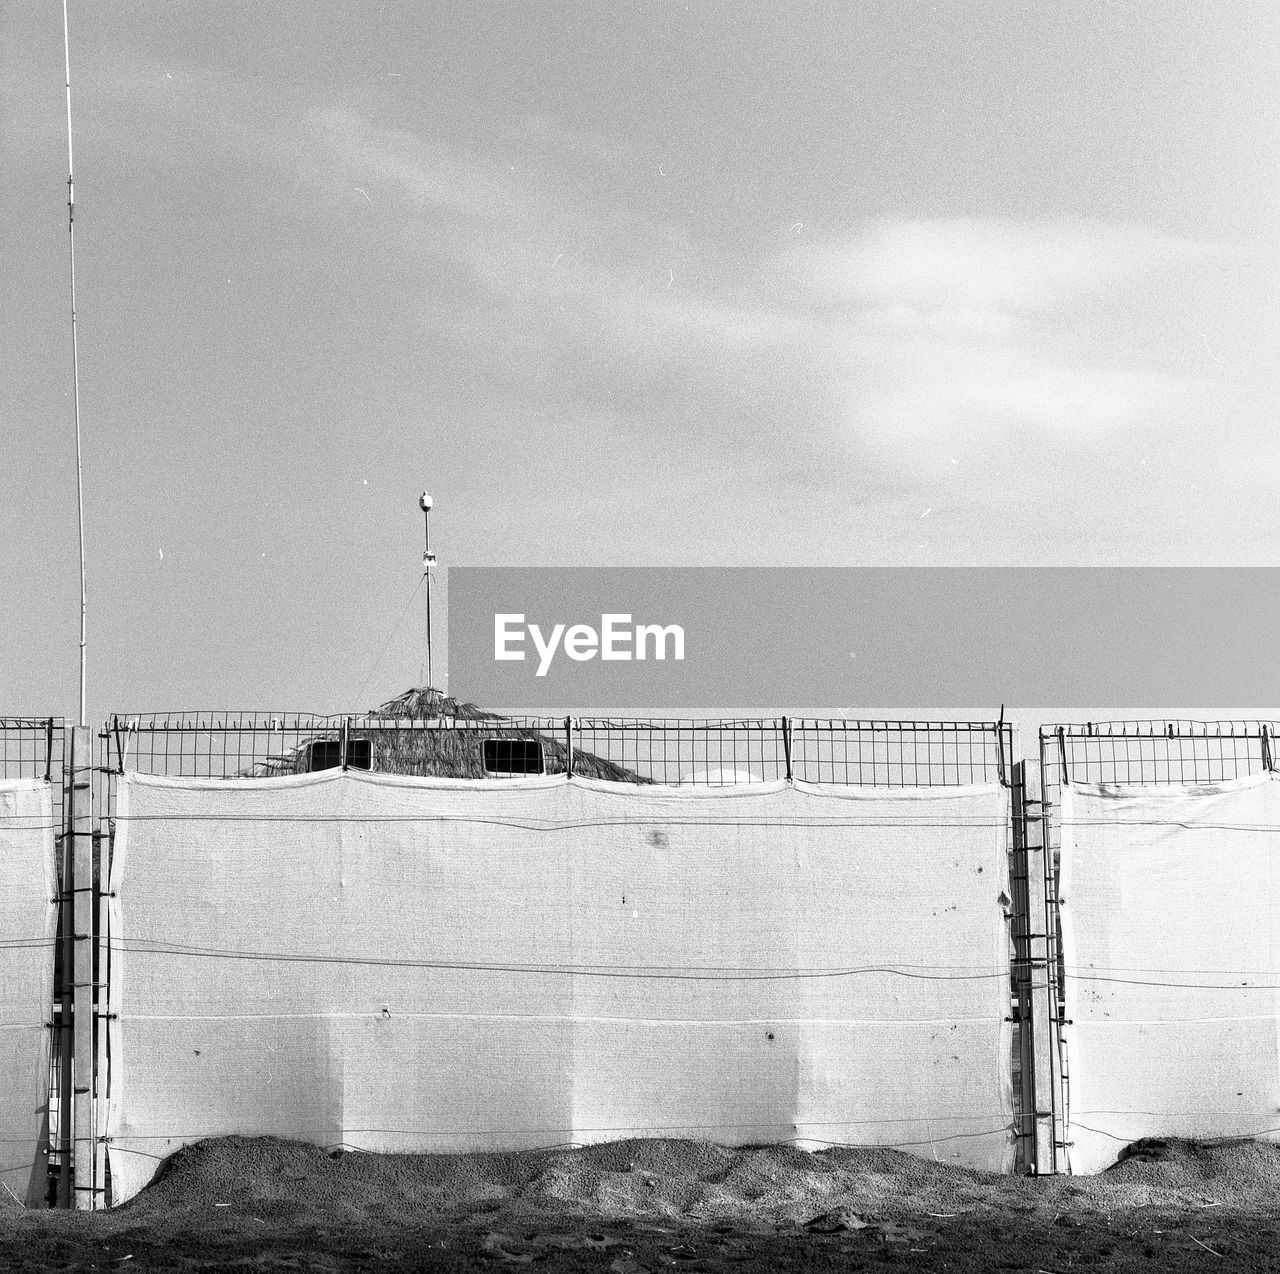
75,362
428,564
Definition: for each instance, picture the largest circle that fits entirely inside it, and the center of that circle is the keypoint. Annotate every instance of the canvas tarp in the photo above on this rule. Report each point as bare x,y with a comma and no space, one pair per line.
28,927
408,964
1170,904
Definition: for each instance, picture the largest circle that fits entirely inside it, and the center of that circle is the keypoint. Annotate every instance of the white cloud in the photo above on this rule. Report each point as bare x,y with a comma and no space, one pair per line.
956,403
905,338
970,266
959,332
563,274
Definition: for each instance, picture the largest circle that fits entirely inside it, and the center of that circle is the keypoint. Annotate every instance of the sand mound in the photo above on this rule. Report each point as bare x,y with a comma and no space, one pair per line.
1240,1173
640,1207
638,1179
664,1180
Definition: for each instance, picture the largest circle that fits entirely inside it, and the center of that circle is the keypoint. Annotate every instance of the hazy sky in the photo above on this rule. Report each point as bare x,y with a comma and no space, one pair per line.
739,283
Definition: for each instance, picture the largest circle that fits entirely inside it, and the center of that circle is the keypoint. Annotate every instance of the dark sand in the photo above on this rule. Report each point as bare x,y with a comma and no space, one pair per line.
636,1206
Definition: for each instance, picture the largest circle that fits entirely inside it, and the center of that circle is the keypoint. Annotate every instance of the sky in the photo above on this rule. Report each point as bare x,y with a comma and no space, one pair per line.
648,284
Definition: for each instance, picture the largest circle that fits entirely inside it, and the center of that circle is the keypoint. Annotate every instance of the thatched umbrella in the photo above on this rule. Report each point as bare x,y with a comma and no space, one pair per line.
452,745
434,734
426,703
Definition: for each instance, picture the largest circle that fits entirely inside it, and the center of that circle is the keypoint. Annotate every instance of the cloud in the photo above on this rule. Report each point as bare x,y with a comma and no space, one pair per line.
885,345
970,266
561,281
961,333
959,403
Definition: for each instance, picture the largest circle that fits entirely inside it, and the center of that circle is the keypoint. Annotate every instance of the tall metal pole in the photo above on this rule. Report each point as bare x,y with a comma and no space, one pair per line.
428,563
79,883
75,359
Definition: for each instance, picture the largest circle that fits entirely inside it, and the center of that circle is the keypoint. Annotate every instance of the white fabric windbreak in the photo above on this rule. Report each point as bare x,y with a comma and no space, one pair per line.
406,964
1170,905
28,927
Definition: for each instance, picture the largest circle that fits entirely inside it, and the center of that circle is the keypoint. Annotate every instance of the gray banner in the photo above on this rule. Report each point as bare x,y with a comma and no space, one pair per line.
859,640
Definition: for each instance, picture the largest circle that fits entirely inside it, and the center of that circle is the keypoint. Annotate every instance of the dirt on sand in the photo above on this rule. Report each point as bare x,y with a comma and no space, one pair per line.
635,1206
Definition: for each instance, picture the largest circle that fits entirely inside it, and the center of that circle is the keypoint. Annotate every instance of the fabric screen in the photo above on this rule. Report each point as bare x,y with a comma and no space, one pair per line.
1171,941
406,964
28,927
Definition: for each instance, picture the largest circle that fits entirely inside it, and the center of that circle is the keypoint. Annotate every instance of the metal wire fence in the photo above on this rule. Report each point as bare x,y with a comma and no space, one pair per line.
633,750
901,753
699,751
1128,753
35,748
31,747
715,751
1162,751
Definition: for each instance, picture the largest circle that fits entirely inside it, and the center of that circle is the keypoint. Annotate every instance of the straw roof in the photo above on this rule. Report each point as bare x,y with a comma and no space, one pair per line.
454,750
448,742
425,702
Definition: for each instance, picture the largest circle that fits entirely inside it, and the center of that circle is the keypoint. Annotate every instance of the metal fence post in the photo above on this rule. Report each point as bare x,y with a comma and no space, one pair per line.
1051,1137
786,746
104,843
80,972
1033,984
66,996
568,747
1001,773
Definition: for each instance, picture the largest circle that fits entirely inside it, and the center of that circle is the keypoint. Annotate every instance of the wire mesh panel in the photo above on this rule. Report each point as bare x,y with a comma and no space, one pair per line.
901,753
263,745
1130,753
35,747
687,750
31,747
1140,752
1162,751
212,745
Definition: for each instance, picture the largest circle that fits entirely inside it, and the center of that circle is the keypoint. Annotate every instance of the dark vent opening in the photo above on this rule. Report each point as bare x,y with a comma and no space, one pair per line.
326,754
512,756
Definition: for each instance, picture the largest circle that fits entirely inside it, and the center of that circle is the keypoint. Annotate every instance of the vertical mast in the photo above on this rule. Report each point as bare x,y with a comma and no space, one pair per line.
75,360
428,566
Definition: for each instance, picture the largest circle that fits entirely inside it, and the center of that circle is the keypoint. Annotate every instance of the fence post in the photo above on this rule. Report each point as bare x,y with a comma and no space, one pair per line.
66,997
1266,749
1031,972
786,746
568,747
120,746
83,892
342,744
1001,772
102,945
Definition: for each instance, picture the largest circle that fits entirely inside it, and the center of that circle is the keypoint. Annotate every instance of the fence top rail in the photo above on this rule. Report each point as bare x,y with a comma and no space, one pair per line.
1159,728
196,720
880,751
31,723
134,722
875,725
